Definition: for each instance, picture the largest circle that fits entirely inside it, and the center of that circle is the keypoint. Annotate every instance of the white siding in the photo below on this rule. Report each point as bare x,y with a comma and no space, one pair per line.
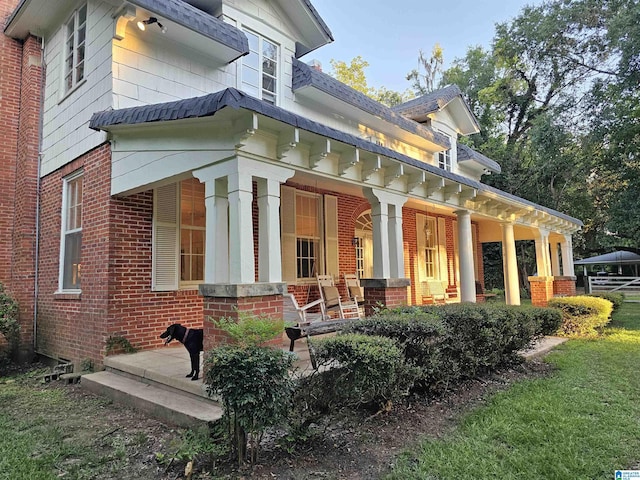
66,133
148,68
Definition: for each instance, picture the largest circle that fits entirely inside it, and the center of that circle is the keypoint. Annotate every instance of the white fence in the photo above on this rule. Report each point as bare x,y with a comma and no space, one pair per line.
626,285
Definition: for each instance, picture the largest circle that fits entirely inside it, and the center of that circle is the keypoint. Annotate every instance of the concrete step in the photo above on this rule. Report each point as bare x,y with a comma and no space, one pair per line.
166,368
175,408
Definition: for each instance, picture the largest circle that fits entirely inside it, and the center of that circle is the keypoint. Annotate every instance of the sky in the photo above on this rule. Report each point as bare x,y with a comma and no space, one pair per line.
389,34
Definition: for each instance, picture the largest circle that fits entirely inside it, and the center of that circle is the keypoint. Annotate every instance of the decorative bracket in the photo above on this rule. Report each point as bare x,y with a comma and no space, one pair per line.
370,167
122,17
416,181
348,160
319,152
392,174
434,186
240,138
287,141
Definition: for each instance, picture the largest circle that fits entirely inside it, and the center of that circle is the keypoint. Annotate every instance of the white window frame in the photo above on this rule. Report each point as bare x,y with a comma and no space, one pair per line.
67,181
317,238
183,227
431,260
74,27
258,90
444,160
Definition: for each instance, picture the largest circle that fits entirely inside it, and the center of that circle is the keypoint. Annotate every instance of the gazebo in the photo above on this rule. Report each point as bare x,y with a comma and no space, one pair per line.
619,258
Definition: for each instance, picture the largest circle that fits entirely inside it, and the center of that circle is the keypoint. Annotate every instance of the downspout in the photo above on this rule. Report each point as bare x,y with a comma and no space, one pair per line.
38,183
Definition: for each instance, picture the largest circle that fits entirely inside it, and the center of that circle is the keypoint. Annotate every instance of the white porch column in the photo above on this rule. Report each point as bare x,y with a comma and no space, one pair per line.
396,244
241,254
566,246
388,246
269,251
465,246
216,269
510,265
542,253
555,259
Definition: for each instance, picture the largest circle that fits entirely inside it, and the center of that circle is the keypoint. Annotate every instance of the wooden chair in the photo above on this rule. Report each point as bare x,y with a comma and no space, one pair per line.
294,313
433,291
331,300
356,292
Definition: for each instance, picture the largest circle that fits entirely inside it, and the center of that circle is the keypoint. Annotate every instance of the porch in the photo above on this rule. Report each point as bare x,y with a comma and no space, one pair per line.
154,382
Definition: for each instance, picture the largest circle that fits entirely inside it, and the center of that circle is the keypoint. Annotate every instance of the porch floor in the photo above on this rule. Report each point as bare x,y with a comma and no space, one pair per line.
169,365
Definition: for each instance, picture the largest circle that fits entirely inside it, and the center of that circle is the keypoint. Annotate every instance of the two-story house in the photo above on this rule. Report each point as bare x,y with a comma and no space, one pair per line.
169,160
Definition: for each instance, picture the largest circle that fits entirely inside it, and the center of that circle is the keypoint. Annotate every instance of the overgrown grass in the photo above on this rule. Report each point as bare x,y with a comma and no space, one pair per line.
583,422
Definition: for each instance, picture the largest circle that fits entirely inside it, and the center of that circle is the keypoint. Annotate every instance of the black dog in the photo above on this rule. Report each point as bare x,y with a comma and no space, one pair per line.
191,338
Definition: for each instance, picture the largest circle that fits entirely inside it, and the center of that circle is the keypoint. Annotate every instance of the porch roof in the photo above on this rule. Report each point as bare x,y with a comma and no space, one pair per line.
467,153
209,105
33,15
307,76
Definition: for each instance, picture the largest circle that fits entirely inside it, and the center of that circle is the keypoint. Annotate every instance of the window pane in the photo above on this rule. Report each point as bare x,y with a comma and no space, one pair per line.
250,76
252,60
269,50
253,41
268,83
71,269
269,67
82,15
197,242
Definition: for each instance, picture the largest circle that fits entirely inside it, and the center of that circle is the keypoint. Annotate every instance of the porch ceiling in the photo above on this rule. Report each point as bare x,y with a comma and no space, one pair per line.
157,142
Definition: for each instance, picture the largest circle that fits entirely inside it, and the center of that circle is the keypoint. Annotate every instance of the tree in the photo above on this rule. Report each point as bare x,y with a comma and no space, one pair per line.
424,83
353,75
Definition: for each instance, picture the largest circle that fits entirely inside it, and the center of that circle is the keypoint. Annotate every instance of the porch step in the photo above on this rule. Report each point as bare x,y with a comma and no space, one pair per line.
164,368
173,407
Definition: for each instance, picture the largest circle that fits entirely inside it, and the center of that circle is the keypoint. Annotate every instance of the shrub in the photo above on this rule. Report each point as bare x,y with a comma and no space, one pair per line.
582,316
249,329
450,342
256,391
418,332
252,381
617,299
9,326
356,371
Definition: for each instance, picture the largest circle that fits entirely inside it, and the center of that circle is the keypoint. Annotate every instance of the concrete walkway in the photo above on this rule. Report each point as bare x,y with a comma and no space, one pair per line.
542,347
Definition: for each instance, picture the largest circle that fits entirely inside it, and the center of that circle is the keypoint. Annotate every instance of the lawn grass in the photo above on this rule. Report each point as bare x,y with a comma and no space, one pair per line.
583,422
48,433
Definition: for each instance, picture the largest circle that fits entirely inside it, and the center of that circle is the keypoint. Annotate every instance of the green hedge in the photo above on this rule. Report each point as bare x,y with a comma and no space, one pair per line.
617,299
582,316
451,342
356,371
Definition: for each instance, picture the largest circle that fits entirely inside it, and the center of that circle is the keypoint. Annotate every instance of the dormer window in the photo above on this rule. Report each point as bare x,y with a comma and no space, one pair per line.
260,68
444,160
75,42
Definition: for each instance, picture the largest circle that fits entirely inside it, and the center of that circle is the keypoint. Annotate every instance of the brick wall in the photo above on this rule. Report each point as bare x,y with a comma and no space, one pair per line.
10,79
116,294
564,286
541,290
20,95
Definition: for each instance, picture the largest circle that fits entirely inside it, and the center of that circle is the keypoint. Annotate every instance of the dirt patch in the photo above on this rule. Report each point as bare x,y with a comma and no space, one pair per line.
127,444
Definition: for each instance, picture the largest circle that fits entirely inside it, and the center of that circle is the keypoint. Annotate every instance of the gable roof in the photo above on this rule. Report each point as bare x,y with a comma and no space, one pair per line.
306,76
419,108
303,49
209,105
466,153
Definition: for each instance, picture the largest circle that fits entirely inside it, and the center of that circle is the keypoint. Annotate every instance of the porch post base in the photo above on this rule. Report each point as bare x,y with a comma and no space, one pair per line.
564,286
388,292
541,290
228,300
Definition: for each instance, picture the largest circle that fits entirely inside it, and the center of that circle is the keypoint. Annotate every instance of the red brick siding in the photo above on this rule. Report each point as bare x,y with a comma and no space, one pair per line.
564,286
10,80
541,290
389,297
116,270
219,307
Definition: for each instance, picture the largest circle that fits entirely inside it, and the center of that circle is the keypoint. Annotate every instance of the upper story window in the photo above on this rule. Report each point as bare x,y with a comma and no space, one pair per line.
75,48
444,160
260,68
71,242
